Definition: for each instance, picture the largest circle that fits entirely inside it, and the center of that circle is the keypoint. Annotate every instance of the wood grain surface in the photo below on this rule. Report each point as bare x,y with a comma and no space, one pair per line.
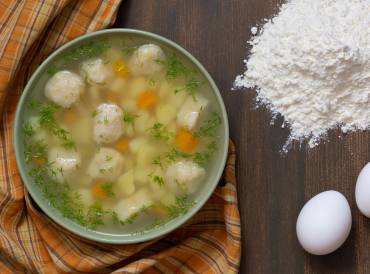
272,187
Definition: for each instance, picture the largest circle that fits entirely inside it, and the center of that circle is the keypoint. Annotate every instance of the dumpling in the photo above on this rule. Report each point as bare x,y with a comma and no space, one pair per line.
145,59
63,162
64,88
108,123
189,113
126,207
95,71
106,164
184,177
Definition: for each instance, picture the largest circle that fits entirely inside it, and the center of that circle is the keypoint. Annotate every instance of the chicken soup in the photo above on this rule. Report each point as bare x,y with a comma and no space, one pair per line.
121,138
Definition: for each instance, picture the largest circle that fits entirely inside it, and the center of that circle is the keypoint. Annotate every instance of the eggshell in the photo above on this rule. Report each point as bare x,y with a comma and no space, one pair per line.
363,191
324,223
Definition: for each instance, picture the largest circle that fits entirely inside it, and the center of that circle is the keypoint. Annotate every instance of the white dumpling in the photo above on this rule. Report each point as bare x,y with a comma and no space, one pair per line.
108,123
126,207
189,113
106,164
63,163
145,59
95,71
64,88
184,177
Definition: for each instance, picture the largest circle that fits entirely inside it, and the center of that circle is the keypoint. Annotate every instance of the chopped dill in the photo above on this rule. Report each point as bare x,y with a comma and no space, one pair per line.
176,68
209,129
181,207
203,157
108,158
133,217
47,121
88,50
157,179
28,129
200,157
129,50
35,151
159,131
52,70
129,118
94,113
190,87
108,189
152,82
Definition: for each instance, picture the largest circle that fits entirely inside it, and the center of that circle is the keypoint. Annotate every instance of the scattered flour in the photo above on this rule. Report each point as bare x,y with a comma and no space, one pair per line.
311,64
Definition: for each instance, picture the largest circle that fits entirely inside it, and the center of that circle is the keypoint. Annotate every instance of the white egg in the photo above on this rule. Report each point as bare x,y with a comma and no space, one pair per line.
324,223
363,191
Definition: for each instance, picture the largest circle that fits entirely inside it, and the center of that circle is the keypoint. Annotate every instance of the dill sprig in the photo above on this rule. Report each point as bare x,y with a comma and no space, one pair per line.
108,189
157,179
129,118
160,132
47,121
65,200
35,151
28,129
209,128
89,50
175,68
200,157
181,207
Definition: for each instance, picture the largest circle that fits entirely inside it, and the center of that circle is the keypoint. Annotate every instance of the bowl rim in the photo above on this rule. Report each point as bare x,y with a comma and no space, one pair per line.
110,238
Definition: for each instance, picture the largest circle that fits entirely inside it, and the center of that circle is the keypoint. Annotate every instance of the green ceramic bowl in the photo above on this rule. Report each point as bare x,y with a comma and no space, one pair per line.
215,170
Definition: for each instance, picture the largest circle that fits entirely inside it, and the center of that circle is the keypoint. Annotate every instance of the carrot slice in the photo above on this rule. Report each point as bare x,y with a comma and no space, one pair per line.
159,210
122,144
147,99
186,141
120,68
70,116
112,96
98,191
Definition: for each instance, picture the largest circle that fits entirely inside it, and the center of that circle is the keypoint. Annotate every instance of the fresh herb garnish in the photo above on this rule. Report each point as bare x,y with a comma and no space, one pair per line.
129,118
157,179
210,126
203,157
52,70
176,68
129,50
200,157
88,50
159,131
108,158
191,87
133,216
28,129
108,189
181,207
35,151
65,200
47,121
94,113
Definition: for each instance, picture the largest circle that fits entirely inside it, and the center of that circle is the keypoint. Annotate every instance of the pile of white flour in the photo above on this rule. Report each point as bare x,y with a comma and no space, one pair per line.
311,64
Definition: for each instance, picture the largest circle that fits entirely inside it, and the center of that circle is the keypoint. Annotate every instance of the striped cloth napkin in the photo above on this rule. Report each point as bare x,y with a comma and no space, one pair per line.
29,241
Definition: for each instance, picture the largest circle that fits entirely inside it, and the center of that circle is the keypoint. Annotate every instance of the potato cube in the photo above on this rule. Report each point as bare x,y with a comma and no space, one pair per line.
119,85
165,113
142,175
136,143
138,85
145,155
125,184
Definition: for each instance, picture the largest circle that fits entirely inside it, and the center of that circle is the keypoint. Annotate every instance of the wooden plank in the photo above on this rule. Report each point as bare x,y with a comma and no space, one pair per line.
272,188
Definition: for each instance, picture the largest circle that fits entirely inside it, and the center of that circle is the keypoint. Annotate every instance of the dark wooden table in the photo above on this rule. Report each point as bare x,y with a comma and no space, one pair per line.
272,188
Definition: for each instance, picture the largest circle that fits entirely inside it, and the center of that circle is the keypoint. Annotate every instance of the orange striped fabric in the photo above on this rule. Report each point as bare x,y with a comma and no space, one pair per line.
29,241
